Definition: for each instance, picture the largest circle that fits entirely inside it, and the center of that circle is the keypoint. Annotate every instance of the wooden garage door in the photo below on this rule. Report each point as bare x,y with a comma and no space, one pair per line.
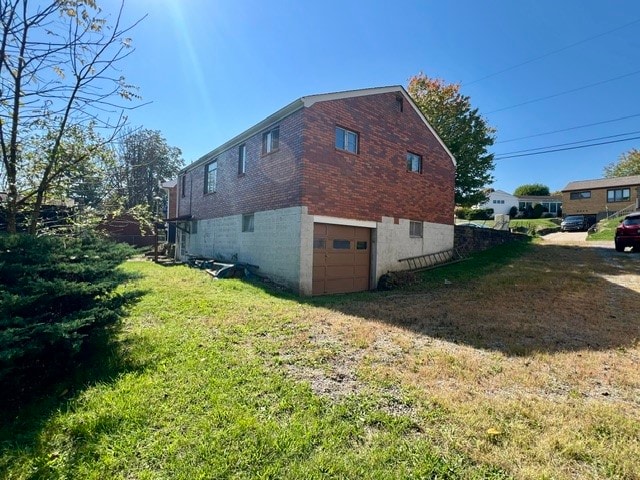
341,258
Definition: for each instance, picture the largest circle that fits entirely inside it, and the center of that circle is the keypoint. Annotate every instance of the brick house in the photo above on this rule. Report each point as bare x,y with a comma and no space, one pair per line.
326,194
602,197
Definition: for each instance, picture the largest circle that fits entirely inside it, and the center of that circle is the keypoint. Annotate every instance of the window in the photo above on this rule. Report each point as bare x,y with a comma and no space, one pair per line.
619,195
194,226
415,229
270,140
247,223
346,140
414,163
210,176
501,202
580,195
183,186
342,244
399,103
242,159
361,245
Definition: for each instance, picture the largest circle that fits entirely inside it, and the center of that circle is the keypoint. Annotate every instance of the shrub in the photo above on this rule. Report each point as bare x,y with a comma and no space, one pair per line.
462,212
54,293
513,212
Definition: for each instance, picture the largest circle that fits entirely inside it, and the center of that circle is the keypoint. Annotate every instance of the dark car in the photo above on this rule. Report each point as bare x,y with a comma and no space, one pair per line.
628,233
576,223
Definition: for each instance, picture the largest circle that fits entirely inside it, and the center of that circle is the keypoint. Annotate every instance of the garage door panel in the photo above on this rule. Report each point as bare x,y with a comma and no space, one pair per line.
341,271
341,259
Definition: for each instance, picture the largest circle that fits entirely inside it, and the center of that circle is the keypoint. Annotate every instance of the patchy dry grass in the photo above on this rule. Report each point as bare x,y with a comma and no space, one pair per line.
533,367
525,364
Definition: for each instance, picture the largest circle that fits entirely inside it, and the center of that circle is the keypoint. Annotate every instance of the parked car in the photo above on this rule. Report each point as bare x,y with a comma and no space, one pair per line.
576,223
628,233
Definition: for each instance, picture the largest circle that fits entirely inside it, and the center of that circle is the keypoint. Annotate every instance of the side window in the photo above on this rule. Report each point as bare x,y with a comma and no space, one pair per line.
415,229
247,222
414,163
271,140
210,176
346,140
183,186
242,159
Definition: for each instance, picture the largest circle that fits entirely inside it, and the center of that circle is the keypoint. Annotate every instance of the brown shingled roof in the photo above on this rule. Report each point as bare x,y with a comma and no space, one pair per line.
603,183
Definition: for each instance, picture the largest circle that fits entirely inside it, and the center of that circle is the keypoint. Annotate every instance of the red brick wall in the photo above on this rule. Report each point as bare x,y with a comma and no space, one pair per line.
308,170
271,181
375,182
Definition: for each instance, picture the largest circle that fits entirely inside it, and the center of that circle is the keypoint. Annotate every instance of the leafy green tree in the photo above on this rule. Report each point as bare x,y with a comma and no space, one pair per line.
531,189
144,160
628,164
58,80
462,129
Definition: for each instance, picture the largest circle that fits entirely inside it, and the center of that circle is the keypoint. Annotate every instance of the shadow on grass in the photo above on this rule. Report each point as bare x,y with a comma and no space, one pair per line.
517,299
26,407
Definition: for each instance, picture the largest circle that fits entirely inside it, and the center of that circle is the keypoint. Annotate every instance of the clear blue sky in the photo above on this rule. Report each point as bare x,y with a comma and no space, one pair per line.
213,68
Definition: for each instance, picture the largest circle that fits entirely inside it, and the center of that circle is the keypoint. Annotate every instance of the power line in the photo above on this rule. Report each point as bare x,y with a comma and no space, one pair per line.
584,87
567,148
553,52
569,128
570,143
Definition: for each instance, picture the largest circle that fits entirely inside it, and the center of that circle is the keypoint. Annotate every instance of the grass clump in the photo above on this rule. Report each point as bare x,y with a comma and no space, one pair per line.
605,230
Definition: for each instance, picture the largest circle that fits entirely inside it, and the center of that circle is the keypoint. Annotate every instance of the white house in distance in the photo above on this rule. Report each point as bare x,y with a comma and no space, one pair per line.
500,201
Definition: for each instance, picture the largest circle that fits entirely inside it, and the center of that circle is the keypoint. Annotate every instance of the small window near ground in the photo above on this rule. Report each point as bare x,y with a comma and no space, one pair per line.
271,140
346,140
414,163
247,223
415,229
242,159
210,176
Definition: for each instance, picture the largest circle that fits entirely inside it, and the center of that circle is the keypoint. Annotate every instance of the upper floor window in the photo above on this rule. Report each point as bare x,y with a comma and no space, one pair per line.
346,140
210,176
270,140
414,163
580,195
619,195
183,186
242,159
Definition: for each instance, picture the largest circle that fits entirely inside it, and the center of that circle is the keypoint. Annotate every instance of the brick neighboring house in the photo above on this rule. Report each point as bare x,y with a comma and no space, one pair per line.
601,197
325,195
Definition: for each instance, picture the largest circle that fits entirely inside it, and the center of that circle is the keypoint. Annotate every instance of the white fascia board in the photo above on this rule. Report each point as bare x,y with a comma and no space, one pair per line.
344,221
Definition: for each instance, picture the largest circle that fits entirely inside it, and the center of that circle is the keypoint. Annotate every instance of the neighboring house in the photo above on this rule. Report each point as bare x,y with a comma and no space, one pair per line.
552,203
325,195
601,197
500,201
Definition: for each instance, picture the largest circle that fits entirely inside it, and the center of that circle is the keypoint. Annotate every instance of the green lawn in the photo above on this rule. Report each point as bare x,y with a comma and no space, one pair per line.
196,388
605,229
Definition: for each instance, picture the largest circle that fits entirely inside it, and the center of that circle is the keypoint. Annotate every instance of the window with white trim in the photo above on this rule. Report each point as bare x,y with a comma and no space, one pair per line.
210,176
415,229
346,140
242,159
271,140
